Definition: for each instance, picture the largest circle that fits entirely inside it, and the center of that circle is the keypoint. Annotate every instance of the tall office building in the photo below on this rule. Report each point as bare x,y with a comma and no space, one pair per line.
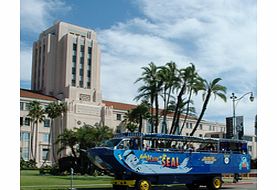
66,65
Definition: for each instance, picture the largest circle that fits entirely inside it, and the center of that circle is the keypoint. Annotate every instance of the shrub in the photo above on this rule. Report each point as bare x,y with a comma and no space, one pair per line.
27,165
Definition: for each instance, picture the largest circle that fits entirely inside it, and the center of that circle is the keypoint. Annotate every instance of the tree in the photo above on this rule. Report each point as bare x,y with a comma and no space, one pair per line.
184,75
195,84
150,90
212,88
181,110
68,139
36,113
130,121
141,112
167,74
102,132
54,110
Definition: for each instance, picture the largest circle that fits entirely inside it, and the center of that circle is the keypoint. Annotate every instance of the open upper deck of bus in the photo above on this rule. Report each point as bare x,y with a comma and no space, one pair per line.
160,136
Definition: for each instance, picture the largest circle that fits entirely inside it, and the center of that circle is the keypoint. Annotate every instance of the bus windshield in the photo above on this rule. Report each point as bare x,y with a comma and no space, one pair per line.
110,143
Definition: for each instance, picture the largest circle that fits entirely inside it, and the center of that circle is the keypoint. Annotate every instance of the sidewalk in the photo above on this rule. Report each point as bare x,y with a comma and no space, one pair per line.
245,180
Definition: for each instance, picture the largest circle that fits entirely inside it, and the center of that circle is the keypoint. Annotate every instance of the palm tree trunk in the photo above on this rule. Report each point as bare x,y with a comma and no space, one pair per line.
157,113
187,112
202,112
177,122
36,141
179,99
151,119
164,114
140,123
32,140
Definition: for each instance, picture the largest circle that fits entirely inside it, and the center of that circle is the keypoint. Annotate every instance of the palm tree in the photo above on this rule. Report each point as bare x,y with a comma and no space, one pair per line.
141,112
184,75
182,108
102,132
195,83
54,110
68,139
212,88
36,113
151,91
130,121
167,74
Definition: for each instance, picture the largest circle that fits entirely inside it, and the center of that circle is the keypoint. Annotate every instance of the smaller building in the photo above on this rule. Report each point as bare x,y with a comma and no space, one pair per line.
40,146
252,145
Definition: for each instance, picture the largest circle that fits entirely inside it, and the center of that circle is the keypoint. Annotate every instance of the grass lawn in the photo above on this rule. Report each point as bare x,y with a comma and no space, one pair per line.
31,179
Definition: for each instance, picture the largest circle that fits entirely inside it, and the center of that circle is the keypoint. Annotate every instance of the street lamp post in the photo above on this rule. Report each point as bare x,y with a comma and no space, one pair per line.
235,102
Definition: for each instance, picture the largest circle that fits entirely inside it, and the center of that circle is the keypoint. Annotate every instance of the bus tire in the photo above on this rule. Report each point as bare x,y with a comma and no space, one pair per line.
215,183
193,186
143,185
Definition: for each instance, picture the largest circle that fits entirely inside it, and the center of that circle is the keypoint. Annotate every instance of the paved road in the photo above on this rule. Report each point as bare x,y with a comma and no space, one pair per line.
248,184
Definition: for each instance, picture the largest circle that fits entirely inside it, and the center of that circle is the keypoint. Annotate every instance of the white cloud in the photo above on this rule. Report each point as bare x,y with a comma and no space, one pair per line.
25,63
35,15
218,36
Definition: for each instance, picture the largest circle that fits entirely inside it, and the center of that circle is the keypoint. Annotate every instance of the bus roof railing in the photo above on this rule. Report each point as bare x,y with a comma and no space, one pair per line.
161,136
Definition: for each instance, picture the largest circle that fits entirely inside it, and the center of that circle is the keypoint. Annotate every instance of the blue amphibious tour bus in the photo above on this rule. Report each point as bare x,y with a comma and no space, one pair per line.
139,160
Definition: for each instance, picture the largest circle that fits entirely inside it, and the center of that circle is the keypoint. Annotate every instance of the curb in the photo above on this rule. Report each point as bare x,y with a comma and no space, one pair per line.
242,175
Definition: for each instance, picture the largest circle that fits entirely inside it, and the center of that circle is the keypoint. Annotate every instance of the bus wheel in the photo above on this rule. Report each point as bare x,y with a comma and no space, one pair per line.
192,186
143,185
215,183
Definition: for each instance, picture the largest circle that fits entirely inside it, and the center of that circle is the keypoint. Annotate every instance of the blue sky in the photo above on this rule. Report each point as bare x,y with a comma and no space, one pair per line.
218,36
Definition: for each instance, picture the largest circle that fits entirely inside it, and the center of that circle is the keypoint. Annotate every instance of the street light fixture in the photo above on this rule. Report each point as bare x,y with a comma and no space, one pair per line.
235,99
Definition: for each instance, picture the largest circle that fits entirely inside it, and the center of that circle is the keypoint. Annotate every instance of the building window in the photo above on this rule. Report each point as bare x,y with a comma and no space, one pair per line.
25,137
27,106
45,137
200,135
25,153
81,83
81,60
88,73
88,84
73,70
187,134
74,58
44,154
73,82
81,72
74,47
118,117
201,127
89,62
46,123
210,128
213,128
82,48
21,121
190,125
27,121
187,125
21,106
89,50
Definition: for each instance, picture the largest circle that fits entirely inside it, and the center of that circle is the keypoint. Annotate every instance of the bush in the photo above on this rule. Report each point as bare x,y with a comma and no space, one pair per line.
66,163
53,170
27,165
